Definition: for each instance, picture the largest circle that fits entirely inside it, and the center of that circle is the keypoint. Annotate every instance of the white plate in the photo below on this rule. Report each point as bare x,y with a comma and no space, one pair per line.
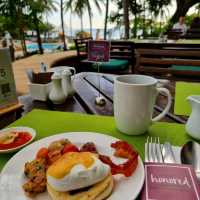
12,177
19,128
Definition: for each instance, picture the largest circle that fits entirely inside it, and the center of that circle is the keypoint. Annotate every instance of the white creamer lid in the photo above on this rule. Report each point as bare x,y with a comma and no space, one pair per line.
56,75
66,72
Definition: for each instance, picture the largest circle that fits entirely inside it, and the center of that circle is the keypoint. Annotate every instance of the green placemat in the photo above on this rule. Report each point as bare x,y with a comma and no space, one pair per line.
47,123
188,41
183,90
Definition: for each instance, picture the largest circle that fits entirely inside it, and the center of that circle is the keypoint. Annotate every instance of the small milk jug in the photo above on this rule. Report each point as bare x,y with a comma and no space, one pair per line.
193,123
56,94
67,84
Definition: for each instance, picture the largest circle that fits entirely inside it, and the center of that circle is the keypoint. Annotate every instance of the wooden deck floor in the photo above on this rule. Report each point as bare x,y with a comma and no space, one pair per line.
33,62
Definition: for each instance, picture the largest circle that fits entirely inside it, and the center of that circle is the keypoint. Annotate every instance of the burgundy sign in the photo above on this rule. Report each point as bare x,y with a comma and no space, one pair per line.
98,51
170,181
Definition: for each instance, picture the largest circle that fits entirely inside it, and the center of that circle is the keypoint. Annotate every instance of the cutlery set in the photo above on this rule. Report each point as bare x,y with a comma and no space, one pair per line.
159,153
163,153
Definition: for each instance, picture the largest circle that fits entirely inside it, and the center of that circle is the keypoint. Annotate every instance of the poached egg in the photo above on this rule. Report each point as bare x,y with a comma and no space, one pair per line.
76,170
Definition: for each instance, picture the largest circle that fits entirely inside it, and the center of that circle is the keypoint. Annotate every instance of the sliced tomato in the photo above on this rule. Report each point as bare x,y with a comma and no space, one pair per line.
42,153
70,148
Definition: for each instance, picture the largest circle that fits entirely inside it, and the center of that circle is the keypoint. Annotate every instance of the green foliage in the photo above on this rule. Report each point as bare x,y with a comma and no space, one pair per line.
15,15
189,18
82,34
72,47
138,10
45,27
157,6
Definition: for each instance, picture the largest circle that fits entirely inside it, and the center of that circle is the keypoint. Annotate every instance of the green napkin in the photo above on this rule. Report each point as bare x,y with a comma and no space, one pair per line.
47,123
183,90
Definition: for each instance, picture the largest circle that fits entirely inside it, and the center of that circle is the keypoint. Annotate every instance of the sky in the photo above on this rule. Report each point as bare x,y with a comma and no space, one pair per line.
98,18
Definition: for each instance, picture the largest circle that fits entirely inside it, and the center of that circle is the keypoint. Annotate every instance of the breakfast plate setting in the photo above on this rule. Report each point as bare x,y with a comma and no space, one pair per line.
76,165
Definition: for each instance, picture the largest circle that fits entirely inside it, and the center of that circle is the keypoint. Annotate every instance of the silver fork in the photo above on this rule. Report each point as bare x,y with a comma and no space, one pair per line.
153,150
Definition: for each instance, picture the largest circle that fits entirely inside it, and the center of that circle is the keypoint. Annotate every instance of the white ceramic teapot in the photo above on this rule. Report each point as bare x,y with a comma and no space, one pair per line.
193,123
56,94
67,82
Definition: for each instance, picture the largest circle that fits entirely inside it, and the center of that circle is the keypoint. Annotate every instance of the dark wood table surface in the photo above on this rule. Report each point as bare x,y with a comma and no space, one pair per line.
87,89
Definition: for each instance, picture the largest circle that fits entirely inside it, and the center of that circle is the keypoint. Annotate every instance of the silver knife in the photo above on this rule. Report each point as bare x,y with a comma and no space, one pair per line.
168,154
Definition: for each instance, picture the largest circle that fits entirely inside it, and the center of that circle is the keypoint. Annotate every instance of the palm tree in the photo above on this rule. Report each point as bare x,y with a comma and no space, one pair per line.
76,6
135,8
70,24
158,8
37,8
10,10
79,6
106,19
98,6
62,25
126,18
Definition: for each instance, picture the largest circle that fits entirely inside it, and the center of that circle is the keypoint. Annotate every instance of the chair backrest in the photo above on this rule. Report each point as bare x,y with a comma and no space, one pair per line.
122,50
193,33
174,34
156,61
81,45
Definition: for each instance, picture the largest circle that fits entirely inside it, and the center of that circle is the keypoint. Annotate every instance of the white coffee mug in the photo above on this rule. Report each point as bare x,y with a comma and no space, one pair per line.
134,100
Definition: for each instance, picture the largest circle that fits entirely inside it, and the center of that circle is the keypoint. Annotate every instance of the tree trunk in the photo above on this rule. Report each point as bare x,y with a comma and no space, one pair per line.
126,18
23,43
20,24
90,19
39,41
135,21
70,21
144,21
182,8
62,24
45,36
106,20
151,25
81,18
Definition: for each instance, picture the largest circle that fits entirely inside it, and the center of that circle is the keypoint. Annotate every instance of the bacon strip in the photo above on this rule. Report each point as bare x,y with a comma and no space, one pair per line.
122,149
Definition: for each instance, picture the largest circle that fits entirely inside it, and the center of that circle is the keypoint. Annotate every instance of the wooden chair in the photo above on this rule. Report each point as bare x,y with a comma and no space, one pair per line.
81,45
168,63
122,56
174,34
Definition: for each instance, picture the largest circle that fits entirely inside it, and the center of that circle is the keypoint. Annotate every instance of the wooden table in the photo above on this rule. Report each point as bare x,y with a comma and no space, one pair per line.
10,113
87,88
170,44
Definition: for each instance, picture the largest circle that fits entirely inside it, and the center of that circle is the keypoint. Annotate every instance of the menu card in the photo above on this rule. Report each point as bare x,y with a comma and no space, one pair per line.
98,51
7,83
170,181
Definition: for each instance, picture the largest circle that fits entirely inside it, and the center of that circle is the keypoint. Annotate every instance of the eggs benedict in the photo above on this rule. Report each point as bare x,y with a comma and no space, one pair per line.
79,175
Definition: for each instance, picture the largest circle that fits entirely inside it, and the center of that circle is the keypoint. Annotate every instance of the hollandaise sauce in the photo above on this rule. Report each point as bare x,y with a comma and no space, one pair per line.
63,166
